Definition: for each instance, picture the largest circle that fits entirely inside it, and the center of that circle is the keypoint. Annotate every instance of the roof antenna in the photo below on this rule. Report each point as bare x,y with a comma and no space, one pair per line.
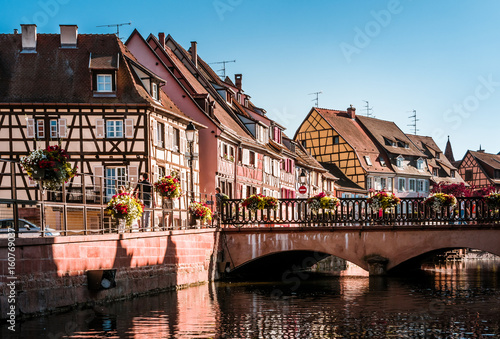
368,109
223,69
414,123
317,98
117,27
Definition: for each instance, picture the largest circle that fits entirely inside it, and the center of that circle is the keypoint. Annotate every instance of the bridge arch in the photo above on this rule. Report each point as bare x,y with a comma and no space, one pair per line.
394,245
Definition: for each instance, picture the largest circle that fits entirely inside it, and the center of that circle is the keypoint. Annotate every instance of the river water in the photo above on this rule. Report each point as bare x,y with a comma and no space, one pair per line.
454,300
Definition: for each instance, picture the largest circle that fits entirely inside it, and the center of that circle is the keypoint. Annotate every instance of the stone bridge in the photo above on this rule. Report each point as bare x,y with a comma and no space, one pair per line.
375,249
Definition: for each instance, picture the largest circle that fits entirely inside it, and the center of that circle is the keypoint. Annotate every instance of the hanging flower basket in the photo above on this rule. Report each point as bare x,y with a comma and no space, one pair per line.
259,202
493,200
322,201
124,206
49,166
383,200
437,201
200,211
169,187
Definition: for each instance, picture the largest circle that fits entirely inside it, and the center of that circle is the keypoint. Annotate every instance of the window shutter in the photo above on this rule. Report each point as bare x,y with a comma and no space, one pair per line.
40,128
292,165
62,128
244,192
245,157
170,141
129,128
98,172
30,128
99,128
155,173
155,131
133,174
183,145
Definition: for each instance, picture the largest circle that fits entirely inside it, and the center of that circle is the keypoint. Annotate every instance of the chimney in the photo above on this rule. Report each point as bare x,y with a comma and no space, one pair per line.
15,31
161,39
69,36
237,79
351,112
194,54
28,38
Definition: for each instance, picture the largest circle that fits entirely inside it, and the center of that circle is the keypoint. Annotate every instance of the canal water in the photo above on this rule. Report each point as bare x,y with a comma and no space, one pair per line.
453,300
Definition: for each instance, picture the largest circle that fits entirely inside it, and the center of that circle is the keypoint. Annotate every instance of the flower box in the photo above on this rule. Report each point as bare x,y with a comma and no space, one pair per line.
169,187
322,201
437,201
383,200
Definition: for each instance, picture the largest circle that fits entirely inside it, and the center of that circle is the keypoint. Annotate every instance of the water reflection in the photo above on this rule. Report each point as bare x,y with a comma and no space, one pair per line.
458,300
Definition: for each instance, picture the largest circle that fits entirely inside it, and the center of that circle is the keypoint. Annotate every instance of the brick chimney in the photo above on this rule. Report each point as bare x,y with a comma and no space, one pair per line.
28,38
194,53
237,80
351,112
161,39
69,36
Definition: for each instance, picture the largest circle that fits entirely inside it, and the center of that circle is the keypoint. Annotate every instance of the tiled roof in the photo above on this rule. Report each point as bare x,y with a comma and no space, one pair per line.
492,160
423,142
355,136
61,75
343,183
381,129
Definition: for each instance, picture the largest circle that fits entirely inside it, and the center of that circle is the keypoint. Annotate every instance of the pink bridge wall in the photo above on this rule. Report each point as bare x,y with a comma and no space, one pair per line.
51,272
398,246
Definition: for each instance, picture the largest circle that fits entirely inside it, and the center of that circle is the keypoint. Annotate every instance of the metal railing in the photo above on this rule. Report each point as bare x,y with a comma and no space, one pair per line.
358,212
78,207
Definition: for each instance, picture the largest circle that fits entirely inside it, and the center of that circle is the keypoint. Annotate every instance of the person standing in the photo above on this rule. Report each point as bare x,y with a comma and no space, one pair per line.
145,190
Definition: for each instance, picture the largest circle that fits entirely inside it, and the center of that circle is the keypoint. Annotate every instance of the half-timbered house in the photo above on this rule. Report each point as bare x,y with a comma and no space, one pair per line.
441,169
91,95
480,169
407,161
335,137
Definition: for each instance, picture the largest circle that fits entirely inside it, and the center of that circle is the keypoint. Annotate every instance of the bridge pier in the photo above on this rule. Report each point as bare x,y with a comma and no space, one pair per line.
377,265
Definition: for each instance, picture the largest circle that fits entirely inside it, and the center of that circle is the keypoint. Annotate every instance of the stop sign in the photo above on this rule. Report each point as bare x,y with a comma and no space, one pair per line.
302,189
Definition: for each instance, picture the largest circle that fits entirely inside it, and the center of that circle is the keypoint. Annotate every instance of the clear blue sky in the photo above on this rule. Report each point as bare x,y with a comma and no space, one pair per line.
440,58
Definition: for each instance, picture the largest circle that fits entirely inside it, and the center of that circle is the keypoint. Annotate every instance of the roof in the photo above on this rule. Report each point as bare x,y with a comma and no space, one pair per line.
448,151
492,160
381,129
423,142
343,182
61,75
355,136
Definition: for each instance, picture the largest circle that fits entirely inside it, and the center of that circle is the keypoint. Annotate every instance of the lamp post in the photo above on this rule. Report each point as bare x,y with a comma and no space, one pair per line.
190,133
302,177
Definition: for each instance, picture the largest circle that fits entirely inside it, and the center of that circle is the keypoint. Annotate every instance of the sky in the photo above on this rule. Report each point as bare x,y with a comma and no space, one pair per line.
438,58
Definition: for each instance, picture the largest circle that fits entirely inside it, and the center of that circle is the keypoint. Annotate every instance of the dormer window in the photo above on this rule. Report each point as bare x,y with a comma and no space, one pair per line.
368,161
104,83
399,161
402,144
437,156
389,142
420,164
435,171
382,161
154,90
452,173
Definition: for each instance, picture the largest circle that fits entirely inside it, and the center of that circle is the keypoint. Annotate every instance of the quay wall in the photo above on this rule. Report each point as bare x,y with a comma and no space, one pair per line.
51,273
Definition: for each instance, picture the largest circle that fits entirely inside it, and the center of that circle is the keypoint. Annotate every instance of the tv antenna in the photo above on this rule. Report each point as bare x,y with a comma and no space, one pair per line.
368,109
317,97
223,69
414,122
117,27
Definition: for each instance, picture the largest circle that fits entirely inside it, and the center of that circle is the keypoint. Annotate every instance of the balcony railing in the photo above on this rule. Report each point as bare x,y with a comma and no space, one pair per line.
357,212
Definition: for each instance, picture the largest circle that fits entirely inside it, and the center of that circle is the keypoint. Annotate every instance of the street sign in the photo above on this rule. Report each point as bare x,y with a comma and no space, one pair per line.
302,189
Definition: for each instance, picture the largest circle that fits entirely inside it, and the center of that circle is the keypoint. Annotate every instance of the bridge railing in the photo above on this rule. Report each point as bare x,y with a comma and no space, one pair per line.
358,212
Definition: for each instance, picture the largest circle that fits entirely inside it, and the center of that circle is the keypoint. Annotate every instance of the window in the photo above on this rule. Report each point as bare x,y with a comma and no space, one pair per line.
160,135
497,174
104,83
40,129
420,164
176,140
389,142
399,161
435,171
452,173
382,161
336,140
412,185
420,185
161,172
304,144
389,184
368,161
401,184
426,185
468,175
252,158
114,128
437,156
383,183
369,183
53,129
115,177
154,90
378,184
